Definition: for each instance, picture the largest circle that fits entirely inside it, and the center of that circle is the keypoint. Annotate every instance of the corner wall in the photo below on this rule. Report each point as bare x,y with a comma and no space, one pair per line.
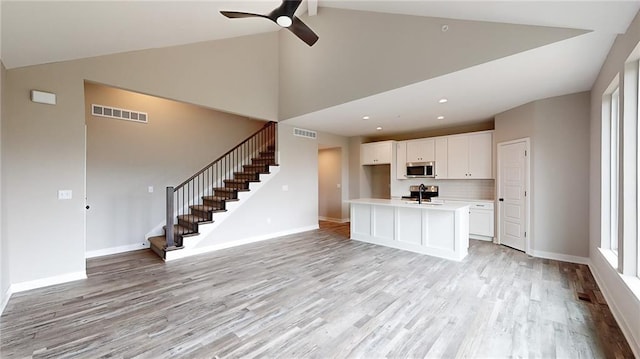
44,145
624,303
4,248
559,132
125,158
287,203
329,177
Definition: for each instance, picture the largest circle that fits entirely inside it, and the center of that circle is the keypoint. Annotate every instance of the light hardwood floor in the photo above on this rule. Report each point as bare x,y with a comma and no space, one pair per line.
317,294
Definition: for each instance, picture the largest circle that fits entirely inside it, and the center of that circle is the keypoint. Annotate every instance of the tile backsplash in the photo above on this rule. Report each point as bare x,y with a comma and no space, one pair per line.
465,189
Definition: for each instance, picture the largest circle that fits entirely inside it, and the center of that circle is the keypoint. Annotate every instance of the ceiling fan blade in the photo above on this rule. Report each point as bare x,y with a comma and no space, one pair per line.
301,30
237,14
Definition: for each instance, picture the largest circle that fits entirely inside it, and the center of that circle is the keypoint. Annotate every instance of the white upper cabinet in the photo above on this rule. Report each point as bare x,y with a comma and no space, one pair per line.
422,150
376,153
481,155
401,160
441,157
470,156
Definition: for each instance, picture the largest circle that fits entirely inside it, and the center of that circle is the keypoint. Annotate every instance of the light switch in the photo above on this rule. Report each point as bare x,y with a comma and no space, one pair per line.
339,185
285,188
65,194
150,189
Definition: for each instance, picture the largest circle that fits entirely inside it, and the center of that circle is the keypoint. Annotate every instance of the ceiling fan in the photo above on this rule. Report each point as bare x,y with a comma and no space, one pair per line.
284,16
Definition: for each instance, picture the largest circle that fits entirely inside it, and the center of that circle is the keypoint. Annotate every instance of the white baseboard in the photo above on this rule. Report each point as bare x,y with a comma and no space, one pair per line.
335,220
115,250
45,282
5,300
183,253
560,257
618,315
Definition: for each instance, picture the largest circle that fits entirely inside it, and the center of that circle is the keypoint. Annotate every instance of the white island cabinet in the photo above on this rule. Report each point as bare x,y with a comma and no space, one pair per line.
440,230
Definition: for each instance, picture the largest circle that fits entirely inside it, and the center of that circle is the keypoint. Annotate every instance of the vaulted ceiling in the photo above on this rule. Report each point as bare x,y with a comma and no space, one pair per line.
495,55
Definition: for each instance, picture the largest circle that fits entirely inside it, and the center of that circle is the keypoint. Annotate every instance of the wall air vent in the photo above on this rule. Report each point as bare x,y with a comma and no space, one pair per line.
119,113
305,133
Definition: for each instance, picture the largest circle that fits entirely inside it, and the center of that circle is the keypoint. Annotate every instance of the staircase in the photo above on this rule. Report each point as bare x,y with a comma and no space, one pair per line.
195,202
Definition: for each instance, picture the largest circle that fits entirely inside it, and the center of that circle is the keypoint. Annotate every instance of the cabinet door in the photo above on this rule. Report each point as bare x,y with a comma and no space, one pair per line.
441,157
401,160
367,153
383,152
481,222
420,150
376,153
480,155
457,157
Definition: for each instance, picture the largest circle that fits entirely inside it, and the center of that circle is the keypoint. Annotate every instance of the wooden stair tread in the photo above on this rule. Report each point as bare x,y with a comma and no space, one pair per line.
191,218
182,231
204,208
159,242
218,198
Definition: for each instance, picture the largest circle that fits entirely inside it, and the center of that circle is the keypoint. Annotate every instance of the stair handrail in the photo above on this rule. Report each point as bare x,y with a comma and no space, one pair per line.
268,124
267,135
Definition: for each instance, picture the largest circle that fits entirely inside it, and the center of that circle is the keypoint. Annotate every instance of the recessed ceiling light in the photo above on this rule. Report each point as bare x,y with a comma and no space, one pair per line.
440,117
443,100
365,117
379,128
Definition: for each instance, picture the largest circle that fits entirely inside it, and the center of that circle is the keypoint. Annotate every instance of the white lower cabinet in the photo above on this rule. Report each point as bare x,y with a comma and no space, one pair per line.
481,219
441,231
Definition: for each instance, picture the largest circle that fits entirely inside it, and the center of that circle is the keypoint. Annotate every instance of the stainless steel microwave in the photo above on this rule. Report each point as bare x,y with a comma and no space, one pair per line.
421,169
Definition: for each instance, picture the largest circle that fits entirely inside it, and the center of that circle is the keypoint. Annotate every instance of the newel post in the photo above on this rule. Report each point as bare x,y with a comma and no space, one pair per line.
169,235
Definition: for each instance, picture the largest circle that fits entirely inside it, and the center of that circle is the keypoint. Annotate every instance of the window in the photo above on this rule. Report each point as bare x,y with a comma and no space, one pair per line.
614,168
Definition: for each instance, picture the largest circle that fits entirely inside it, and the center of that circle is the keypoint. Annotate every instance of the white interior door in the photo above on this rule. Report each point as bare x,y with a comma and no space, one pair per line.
513,179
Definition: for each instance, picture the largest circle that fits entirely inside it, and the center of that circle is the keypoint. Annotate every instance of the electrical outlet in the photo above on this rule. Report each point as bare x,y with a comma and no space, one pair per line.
65,194
150,189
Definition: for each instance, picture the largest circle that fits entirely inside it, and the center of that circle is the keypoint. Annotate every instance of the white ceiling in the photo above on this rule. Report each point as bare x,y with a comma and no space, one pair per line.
48,31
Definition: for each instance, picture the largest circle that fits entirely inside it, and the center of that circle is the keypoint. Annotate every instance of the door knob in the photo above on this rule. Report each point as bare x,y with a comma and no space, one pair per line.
87,207
501,199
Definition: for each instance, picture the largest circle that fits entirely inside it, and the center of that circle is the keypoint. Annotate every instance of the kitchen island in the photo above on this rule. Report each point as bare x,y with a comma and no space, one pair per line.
440,230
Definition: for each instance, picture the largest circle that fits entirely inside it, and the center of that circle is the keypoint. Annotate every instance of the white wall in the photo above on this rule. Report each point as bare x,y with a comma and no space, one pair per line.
559,132
44,146
624,303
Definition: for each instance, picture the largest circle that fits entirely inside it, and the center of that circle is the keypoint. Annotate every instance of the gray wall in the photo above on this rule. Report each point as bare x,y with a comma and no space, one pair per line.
329,177
274,210
343,143
4,248
124,158
356,59
624,304
559,132
44,146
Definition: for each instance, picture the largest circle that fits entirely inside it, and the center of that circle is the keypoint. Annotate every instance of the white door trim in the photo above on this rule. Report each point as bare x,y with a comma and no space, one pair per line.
527,202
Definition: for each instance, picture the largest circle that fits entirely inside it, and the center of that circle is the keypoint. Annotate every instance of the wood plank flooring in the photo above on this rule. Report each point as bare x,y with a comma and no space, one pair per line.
317,295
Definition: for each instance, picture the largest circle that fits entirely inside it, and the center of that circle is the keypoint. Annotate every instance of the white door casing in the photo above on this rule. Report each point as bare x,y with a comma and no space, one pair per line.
513,194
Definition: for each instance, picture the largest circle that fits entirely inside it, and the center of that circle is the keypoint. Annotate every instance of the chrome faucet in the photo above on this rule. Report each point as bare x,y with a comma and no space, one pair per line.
420,189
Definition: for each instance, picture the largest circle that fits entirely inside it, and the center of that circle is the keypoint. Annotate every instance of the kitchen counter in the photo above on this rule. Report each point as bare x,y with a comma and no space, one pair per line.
440,230
409,204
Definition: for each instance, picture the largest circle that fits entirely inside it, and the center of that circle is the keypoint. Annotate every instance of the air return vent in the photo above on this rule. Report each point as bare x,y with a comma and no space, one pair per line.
119,113
305,133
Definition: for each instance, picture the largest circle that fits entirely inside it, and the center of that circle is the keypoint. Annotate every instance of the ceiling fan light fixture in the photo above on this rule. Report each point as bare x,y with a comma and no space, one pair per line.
284,21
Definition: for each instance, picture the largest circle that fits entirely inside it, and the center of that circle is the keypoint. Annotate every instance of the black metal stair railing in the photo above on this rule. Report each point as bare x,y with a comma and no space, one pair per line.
201,193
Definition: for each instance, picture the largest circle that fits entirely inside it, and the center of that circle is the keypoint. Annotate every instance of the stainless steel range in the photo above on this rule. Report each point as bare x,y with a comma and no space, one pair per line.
427,192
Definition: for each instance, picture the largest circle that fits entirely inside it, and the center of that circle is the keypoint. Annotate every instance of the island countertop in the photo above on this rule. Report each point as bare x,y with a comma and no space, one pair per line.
408,204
